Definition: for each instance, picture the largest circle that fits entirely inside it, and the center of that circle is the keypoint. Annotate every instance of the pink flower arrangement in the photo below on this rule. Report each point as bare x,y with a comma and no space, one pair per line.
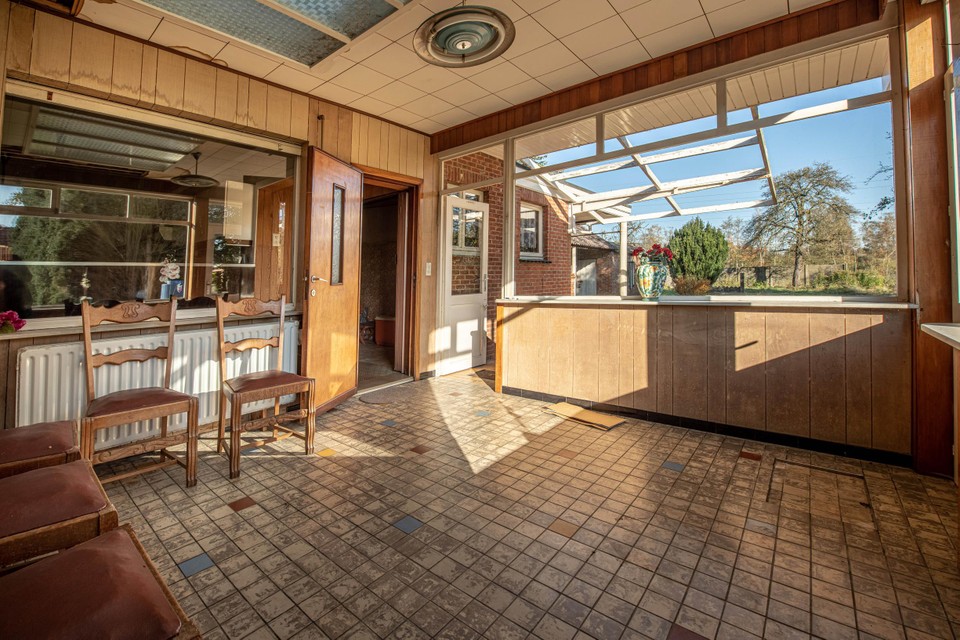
10,322
656,253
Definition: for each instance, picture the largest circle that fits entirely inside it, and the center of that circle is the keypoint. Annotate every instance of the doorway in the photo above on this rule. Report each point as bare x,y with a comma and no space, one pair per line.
385,286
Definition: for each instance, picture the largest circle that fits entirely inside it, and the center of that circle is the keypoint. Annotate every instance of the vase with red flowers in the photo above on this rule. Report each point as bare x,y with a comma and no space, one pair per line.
652,266
10,322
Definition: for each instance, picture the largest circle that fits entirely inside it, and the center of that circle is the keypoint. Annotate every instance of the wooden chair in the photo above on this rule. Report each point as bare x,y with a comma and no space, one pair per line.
133,405
260,385
51,509
106,587
44,444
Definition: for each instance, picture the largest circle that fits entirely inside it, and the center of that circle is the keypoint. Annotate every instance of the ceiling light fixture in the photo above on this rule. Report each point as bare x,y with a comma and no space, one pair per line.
464,36
195,179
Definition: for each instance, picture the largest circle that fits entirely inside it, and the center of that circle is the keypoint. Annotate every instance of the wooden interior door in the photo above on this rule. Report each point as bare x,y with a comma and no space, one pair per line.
274,233
331,310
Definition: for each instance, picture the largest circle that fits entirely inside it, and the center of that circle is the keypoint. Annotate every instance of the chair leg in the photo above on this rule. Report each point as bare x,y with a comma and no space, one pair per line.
192,437
221,422
311,426
86,439
236,429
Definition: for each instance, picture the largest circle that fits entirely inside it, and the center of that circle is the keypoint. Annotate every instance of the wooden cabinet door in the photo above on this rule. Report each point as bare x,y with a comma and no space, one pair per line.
331,310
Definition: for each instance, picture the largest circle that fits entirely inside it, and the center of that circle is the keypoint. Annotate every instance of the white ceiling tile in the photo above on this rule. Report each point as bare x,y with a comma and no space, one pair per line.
335,93
568,76
513,10
622,5
364,46
431,78
545,59
598,38
119,17
402,116
398,93
428,126
500,77
361,79
371,106
427,106
657,15
403,22
435,6
527,90
461,92
171,34
395,61
485,105
626,55
530,35
452,117
530,6
330,67
745,14
294,79
713,5
242,59
678,37
566,16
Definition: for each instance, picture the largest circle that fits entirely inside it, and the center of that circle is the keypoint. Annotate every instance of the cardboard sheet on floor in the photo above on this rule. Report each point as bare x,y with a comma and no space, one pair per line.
590,418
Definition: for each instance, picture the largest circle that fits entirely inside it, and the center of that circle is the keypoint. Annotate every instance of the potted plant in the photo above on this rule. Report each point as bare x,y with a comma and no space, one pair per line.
652,266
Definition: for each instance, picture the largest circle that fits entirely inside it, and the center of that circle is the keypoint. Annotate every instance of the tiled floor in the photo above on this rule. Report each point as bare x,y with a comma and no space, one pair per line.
510,523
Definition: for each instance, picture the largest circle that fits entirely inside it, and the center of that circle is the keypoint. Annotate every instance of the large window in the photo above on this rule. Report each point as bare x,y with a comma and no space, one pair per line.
531,231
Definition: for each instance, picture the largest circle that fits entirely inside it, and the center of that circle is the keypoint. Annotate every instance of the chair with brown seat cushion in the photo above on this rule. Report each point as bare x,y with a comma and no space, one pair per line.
39,445
50,509
135,405
260,385
105,588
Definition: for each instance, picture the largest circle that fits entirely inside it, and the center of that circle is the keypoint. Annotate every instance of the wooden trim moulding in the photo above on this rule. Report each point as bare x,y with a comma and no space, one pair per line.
794,28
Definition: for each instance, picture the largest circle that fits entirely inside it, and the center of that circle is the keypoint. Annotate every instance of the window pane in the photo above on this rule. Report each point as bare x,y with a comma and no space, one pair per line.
95,203
472,227
336,253
456,228
18,196
159,208
467,259
529,230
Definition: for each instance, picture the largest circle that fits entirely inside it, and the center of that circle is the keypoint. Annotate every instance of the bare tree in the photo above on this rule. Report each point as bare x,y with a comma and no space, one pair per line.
809,210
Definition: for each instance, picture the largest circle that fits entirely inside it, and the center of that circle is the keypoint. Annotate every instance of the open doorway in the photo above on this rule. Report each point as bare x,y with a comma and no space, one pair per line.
386,288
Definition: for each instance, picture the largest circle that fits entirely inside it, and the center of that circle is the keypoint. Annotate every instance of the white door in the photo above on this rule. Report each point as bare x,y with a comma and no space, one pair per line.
587,278
463,334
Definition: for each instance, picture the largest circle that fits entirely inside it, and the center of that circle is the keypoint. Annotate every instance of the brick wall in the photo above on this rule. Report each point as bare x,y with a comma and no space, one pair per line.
550,276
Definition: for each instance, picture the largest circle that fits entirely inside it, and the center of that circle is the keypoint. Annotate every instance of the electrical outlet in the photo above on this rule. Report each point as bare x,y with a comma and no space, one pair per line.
277,239
429,269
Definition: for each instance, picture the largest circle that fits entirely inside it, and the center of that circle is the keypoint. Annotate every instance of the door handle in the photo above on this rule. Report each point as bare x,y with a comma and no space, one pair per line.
317,279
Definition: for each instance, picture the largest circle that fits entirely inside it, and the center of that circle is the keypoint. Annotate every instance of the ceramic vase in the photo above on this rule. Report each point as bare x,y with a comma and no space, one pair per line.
651,276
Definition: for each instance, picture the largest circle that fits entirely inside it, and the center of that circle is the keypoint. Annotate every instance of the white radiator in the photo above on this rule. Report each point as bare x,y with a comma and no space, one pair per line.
51,383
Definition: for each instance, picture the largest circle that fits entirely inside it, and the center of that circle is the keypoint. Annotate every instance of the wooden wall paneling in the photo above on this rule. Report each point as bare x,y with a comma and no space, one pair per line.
91,60
257,105
690,362
313,123
585,344
127,69
20,38
859,379
345,119
608,354
278,110
171,72
645,364
624,334
891,389
355,152
50,56
395,149
200,90
373,142
519,360
330,128
299,116
225,102
717,346
5,379
533,360
746,377
543,372
404,162
828,375
561,349
664,346
148,77
787,370
243,101
422,155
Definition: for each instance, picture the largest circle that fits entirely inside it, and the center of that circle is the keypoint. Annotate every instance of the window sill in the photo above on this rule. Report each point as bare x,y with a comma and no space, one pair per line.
534,259
808,302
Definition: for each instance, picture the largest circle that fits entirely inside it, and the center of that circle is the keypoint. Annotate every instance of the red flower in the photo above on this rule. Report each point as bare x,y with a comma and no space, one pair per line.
637,251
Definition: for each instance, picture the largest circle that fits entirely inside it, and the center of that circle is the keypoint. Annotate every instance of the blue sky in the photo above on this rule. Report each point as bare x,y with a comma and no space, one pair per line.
854,142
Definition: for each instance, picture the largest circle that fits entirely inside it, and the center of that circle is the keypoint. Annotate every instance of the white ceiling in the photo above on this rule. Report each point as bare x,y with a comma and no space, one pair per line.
559,43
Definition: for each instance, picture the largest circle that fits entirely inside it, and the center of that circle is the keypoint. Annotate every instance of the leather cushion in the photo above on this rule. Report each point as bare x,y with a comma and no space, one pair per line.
99,589
133,400
37,441
262,380
49,495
